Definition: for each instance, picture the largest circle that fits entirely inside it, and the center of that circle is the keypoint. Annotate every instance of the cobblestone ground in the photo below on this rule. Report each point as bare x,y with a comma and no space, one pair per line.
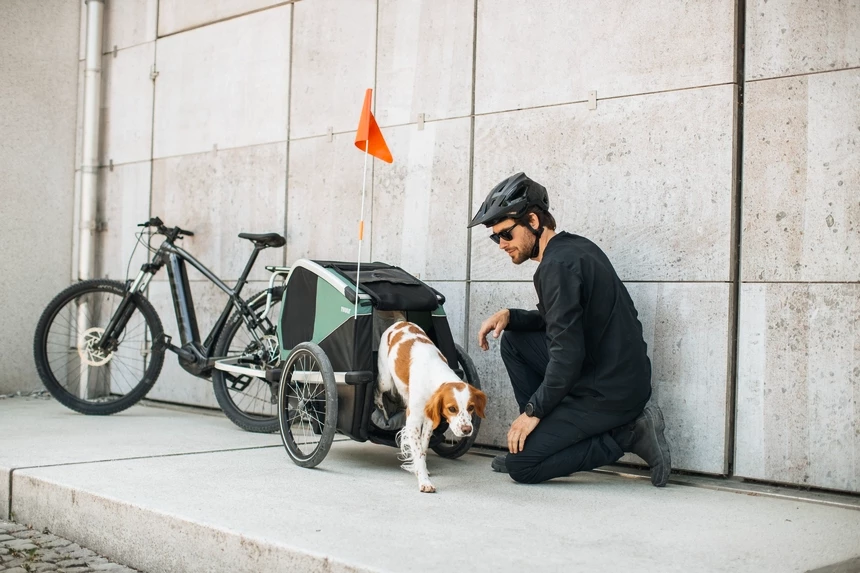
25,550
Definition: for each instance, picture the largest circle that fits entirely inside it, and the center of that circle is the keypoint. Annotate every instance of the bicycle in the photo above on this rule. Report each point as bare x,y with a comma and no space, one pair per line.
99,345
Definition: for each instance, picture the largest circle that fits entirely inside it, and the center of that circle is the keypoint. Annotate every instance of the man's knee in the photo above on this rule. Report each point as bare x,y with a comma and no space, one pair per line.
508,347
522,469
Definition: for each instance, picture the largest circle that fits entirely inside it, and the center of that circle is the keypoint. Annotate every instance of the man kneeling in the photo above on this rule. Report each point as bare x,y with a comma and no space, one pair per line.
578,364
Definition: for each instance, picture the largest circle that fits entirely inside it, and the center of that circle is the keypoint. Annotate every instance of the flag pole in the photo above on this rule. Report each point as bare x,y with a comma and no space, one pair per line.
361,227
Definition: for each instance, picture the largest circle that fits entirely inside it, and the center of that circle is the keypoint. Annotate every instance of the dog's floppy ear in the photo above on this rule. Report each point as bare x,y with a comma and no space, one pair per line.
480,401
433,409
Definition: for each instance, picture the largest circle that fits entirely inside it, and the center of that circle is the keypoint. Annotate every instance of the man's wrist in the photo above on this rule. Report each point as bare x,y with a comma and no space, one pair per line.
530,411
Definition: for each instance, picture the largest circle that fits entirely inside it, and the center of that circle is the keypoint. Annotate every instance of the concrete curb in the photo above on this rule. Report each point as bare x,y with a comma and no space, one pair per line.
183,545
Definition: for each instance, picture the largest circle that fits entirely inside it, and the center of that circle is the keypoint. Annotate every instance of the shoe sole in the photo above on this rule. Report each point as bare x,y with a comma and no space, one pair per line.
660,471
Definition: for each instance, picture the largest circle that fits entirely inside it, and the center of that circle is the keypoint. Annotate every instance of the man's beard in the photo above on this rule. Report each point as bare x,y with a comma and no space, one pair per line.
521,256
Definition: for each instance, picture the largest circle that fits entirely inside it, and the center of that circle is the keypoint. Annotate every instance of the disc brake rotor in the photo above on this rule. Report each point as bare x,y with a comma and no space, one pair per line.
88,347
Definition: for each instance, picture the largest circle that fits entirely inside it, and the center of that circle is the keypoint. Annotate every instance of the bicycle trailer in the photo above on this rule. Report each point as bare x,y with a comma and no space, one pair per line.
329,345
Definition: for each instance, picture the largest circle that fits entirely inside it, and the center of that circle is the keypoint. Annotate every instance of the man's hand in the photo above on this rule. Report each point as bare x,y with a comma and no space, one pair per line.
520,429
496,323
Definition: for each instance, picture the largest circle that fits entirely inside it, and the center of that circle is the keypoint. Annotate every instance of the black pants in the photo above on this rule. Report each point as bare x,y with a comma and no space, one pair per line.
572,437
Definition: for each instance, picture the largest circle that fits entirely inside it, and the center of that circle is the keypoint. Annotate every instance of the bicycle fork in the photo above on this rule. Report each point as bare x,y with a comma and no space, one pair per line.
119,320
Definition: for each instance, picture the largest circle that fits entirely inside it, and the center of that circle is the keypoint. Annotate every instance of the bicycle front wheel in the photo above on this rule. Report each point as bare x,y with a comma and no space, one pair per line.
73,368
251,402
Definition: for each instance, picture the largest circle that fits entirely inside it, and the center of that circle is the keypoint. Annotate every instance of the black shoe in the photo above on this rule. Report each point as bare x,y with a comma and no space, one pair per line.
498,463
644,437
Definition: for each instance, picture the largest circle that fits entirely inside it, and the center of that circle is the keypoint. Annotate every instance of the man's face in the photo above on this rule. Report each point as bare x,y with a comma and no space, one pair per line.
522,240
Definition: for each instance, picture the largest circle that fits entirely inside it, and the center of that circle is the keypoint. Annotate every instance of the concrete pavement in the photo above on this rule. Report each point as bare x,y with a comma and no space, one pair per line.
163,490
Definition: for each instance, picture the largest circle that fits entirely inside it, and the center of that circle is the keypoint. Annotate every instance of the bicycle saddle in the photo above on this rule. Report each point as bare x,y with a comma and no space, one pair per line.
267,239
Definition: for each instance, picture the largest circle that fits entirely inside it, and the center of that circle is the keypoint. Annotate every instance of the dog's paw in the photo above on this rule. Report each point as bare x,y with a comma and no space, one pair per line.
427,488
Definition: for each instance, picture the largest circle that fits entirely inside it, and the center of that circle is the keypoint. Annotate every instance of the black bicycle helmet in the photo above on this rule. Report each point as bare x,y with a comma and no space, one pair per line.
511,199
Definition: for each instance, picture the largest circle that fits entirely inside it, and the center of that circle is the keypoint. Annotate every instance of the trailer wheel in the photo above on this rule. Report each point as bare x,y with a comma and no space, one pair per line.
307,405
451,446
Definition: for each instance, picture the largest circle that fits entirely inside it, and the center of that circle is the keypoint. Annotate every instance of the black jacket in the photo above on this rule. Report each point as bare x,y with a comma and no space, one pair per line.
596,351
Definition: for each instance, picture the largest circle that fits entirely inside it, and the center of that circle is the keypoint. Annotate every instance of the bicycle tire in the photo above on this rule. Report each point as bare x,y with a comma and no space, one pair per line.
250,403
61,350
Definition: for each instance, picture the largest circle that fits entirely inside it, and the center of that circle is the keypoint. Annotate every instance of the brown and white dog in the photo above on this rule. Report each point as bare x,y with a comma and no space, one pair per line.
411,367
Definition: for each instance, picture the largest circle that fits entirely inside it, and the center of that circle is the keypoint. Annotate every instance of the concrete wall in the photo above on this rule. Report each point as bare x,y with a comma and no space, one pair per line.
38,91
798,407
233,135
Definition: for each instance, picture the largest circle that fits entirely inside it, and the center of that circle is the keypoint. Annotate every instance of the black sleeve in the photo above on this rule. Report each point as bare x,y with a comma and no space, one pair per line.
525,320
560,288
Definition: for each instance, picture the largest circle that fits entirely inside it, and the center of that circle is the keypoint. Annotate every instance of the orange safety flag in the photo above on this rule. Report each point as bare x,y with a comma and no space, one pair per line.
368,133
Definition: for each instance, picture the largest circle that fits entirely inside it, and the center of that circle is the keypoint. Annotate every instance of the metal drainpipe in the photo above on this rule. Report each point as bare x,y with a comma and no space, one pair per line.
90,143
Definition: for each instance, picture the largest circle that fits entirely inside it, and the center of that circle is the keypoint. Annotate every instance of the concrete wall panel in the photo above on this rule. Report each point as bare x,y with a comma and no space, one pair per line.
485,298
4,493
129,23
127,105
801,199
224,85
324,203
542,53
177,15
333,62
686,327
38,43
801,36
175,384
455,307
649,179
219,195
798,404
421,201
123,204
424,64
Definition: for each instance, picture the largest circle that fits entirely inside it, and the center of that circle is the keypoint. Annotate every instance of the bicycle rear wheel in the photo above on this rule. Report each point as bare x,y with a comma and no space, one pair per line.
72,367
249,401
451,446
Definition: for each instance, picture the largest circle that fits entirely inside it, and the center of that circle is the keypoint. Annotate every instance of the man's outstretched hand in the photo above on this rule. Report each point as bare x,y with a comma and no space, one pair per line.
519,431
496,324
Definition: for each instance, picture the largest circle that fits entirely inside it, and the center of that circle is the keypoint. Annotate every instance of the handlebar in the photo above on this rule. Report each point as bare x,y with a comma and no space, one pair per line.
172,234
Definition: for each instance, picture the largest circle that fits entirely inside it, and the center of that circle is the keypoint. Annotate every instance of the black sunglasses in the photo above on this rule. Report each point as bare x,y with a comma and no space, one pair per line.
505,234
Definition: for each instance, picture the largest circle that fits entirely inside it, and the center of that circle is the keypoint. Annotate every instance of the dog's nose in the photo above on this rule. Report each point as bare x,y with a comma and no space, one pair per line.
467,430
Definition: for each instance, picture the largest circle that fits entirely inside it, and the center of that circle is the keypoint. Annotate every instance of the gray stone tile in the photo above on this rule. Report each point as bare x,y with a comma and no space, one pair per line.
800,36
485,298
218,195
126,115
123,204
175,384
615,50
798,372
686,329
224,85
129,23
801,210
649,179
424,60
177,15
324,203
421,201
455,307
333,62
4,494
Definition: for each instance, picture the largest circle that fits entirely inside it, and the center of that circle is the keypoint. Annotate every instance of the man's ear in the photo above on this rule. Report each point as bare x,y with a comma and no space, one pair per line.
433,409
534,221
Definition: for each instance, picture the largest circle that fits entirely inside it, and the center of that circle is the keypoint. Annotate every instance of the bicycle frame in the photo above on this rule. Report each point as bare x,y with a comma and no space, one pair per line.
194,357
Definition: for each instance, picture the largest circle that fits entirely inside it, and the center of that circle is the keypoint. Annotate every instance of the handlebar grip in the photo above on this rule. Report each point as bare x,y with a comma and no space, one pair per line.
186,233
